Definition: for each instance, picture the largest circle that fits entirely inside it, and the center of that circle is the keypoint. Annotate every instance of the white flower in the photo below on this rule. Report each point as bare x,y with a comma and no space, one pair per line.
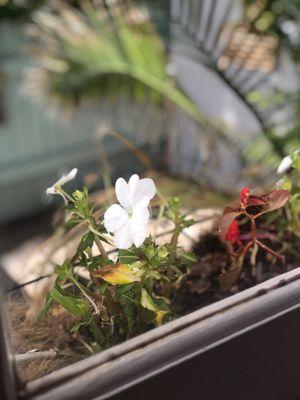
54,189
128,221
285,164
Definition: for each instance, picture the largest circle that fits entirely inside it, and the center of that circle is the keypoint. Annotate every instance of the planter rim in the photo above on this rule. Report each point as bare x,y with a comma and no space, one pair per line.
7,366
178,326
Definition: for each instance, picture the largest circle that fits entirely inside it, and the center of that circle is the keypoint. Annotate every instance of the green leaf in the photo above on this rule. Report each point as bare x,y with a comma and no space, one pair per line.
64,270
189,258
72,304
71,223
74,70
127,256
102,286
157,305
121,290
153,274
96,332
296,159
162,252
285,183
75,328
150,251
86,241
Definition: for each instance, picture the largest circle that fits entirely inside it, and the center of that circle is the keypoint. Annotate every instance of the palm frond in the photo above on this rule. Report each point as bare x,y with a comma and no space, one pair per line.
80,52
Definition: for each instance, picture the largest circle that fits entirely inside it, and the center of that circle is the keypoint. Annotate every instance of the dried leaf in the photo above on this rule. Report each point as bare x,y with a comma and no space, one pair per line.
230,276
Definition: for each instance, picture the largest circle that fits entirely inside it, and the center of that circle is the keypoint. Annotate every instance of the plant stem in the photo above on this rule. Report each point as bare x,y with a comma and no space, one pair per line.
85,295
100,247
175,237
253,226
247,247
274,253
64,194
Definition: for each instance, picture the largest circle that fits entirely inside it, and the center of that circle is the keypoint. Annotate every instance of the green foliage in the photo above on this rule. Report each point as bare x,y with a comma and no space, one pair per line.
72,304
121,298
127,256
157,305
291,181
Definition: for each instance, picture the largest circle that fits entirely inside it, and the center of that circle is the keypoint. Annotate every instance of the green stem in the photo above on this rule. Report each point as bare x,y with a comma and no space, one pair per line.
64,194
174,240
85,295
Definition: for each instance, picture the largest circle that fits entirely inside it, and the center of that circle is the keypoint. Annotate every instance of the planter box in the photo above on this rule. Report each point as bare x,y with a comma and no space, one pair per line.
245,346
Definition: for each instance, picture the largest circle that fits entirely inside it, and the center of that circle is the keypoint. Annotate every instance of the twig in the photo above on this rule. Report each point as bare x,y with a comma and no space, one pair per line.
35,355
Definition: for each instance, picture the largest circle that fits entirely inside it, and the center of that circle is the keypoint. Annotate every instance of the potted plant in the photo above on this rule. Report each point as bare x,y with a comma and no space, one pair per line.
125,297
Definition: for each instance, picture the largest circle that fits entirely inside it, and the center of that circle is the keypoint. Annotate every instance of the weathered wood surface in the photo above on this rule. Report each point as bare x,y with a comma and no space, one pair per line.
172,345
8,378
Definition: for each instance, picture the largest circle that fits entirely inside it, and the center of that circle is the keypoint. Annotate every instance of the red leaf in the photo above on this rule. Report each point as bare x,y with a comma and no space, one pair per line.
229,215
256,201
275,200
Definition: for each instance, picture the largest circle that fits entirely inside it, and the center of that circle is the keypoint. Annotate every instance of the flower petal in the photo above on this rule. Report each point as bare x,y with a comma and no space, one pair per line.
51,190
139,233
140,214
122,192
123,237
61,181
67,177
133,181
144,188
285,164
114,218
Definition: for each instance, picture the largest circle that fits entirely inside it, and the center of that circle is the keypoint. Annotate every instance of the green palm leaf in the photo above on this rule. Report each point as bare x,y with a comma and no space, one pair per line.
80,53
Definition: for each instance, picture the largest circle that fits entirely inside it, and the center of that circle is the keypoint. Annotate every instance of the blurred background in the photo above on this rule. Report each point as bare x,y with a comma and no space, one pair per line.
203,95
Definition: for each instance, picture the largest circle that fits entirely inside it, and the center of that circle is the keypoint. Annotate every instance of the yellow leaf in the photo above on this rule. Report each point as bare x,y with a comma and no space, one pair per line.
116,274
159,317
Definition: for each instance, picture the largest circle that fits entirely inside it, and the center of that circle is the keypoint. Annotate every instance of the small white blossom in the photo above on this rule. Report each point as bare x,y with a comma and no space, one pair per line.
54,189
128,221
285,164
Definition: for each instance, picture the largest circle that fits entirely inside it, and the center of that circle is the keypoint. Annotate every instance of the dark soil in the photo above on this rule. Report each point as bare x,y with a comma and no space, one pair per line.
202,286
